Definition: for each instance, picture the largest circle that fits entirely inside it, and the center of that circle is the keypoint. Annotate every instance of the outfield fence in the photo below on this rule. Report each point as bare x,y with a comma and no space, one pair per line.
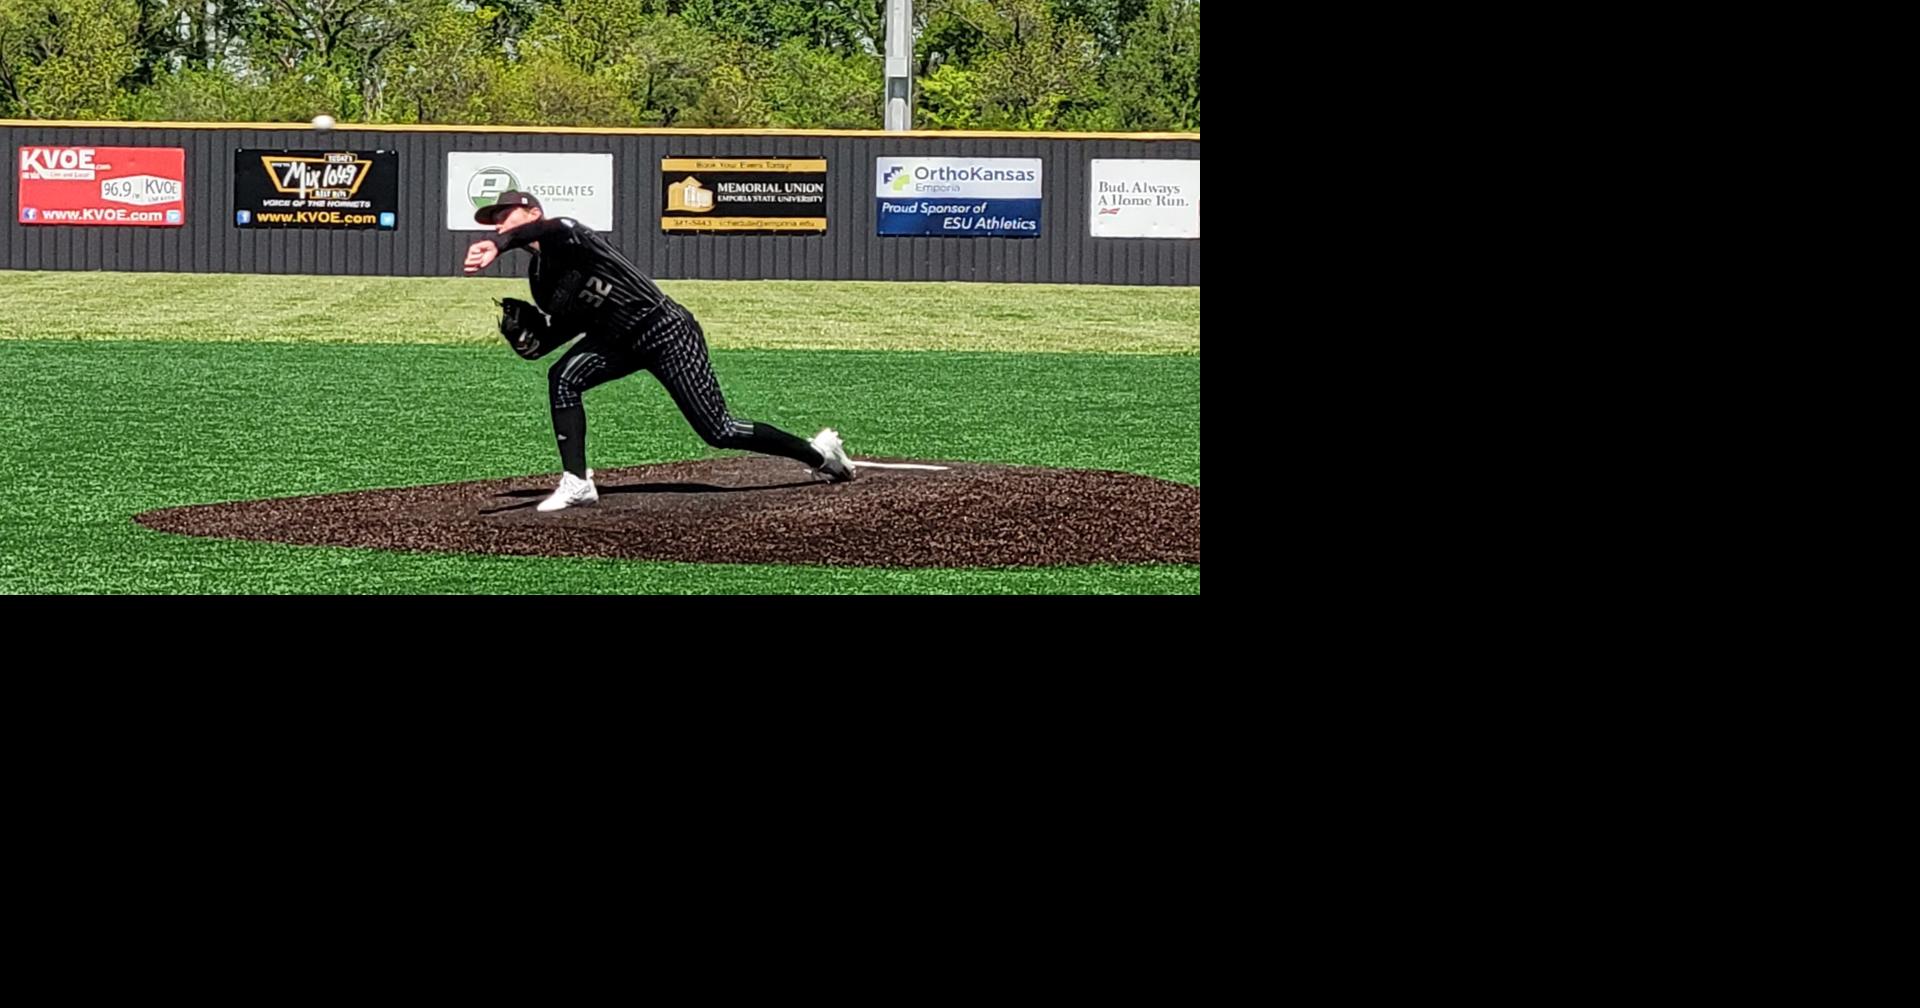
707,204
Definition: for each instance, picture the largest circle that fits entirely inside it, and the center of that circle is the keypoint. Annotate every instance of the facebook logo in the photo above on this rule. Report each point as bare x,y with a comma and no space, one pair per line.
28,213
386,220
243,216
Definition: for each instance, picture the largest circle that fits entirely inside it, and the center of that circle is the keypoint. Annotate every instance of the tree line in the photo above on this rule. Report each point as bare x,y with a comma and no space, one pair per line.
1123,65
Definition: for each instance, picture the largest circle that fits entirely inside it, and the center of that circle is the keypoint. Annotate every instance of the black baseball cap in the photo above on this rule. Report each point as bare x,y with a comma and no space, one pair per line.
507,201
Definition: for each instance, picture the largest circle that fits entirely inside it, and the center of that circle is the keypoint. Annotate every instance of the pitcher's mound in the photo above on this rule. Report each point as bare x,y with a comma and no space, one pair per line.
750,510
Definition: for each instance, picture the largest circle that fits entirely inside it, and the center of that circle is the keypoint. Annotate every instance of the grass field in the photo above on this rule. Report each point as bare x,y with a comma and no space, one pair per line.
124,392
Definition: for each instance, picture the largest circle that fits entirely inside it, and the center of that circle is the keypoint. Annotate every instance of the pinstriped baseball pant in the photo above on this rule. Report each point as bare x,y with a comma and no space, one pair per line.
674,348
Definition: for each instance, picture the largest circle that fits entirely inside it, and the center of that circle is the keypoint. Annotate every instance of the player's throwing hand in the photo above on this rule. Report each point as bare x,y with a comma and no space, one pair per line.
482,253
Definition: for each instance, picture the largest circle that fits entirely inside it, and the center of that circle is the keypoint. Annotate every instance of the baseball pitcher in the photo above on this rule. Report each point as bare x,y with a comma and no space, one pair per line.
582,286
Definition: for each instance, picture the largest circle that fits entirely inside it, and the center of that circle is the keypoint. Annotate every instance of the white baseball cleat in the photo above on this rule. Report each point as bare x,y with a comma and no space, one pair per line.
837,466
573,492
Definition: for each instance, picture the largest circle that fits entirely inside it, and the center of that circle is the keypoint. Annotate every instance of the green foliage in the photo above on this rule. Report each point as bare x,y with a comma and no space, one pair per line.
812,88
979,64
1154,84
836,27
446,70
1035,68
547,91
65,59
197,95
949,99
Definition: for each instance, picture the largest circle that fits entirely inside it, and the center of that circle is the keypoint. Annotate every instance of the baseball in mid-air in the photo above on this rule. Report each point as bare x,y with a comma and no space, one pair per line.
323,122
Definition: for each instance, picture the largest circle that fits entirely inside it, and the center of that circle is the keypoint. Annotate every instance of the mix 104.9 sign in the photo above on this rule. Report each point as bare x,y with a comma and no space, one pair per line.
316,189
138,186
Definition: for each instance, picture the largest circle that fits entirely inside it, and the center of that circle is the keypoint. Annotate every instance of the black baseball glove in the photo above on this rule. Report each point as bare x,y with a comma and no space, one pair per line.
525,328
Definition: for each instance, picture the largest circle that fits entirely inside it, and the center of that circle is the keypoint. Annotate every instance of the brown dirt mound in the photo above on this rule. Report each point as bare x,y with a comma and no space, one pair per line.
750,509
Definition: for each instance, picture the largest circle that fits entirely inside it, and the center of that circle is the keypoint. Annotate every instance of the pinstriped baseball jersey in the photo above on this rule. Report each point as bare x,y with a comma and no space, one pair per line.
581,280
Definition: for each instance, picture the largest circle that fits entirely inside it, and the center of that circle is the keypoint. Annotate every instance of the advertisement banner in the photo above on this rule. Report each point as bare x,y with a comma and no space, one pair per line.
957,197
316,189
579,186
743,195
1139,198
138,186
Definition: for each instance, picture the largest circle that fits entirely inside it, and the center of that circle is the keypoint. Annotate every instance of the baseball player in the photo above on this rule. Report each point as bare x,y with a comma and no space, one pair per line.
583,286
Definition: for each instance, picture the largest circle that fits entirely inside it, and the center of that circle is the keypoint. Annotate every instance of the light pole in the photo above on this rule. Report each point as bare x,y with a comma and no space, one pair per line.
899,64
